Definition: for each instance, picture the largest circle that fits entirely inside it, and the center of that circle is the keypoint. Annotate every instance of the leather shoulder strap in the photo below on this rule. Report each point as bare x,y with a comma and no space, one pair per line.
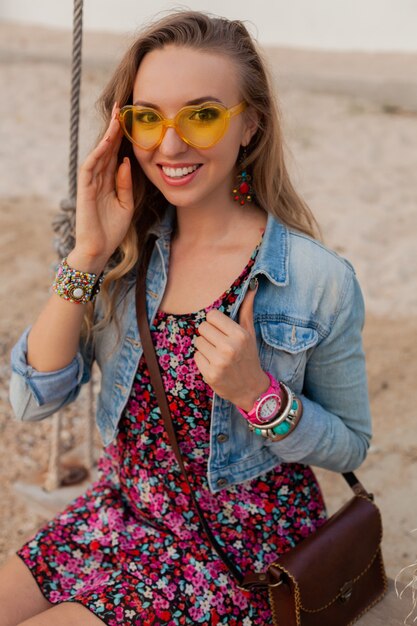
157,383
356,485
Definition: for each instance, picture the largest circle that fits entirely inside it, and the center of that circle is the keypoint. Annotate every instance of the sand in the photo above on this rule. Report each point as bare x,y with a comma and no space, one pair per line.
351,125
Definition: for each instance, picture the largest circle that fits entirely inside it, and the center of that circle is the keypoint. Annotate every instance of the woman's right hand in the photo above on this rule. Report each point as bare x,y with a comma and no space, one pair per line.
104,199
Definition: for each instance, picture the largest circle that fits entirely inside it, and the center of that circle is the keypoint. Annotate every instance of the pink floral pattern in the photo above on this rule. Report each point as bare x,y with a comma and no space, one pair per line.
131,549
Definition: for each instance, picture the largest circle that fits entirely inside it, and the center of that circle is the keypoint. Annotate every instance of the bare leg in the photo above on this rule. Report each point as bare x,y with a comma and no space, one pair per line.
20,596
65,614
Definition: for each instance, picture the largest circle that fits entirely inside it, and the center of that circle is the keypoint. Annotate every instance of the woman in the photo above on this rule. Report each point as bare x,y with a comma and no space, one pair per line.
262,380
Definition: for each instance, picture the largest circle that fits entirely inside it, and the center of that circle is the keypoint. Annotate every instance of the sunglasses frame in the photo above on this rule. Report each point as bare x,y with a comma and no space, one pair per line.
173,123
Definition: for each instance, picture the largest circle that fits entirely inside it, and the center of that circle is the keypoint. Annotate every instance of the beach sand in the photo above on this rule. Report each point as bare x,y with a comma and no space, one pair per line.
351,125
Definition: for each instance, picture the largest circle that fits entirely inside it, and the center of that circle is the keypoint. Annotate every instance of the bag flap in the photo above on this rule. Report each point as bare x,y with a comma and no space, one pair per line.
338,553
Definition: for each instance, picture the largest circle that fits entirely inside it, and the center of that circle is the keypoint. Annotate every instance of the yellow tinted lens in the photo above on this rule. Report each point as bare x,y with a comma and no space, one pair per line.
202,126
143,126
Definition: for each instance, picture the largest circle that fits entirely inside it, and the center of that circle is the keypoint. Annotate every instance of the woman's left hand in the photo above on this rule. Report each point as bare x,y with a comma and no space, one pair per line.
227,356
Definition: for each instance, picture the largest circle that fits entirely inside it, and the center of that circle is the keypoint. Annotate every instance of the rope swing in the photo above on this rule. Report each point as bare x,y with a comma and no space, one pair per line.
64,224
64,228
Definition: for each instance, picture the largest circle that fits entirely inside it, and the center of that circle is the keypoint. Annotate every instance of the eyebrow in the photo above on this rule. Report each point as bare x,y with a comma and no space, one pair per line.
150,105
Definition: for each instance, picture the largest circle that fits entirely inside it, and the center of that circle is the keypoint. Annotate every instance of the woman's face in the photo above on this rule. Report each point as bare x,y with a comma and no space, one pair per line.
169,79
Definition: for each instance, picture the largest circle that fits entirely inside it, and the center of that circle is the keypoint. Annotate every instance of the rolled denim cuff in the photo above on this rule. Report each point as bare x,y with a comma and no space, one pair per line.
46,387
323,439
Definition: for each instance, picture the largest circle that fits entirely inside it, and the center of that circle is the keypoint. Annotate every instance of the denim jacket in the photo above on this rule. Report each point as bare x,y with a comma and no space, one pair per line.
308,317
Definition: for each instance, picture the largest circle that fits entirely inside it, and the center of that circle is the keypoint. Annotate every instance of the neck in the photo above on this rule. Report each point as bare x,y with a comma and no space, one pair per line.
215,225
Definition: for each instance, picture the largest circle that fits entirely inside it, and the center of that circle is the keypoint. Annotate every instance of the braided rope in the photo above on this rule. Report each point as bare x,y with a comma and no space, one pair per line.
75,95
64,227
54,475
64,223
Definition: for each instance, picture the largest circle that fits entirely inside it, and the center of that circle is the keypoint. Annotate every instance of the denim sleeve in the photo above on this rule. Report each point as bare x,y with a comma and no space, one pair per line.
335,429
36,395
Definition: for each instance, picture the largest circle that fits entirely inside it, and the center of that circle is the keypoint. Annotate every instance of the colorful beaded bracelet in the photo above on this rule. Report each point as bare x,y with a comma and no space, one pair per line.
76,286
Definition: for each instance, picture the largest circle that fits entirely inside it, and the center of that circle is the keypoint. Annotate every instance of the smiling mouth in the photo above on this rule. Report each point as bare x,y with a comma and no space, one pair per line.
179,172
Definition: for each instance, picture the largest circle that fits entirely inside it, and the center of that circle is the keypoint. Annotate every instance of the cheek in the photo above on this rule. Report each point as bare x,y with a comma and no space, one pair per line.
227,155
231,146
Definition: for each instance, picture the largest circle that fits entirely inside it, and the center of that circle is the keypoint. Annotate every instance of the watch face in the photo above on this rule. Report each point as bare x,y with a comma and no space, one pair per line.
268,408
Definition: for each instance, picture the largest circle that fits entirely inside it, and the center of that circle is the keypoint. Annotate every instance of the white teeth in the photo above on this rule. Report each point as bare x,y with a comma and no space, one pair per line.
179,171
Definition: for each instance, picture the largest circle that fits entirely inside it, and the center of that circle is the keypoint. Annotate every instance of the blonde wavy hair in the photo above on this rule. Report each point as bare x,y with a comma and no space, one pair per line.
265,153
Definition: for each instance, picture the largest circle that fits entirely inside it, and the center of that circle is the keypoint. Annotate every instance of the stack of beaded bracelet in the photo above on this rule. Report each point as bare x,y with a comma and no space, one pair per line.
76,286
285,422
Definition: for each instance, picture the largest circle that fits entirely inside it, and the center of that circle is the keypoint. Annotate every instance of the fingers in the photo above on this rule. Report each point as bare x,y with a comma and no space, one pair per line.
220,339
211,333
245,319
124,185
202,364
246,309
109,165
111,142
221,321
213,353
99,157
111,155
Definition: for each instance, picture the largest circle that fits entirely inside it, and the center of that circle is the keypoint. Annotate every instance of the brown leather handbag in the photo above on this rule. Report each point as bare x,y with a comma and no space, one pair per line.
332,576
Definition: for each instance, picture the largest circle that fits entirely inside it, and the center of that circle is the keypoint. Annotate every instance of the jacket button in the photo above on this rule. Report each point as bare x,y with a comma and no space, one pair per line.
222,438
222,482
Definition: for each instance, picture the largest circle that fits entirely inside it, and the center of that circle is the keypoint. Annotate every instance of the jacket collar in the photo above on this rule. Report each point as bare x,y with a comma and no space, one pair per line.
272,258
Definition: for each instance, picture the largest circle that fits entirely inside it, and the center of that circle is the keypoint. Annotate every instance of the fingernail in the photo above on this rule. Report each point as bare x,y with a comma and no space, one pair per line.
253,283
107,138
113,109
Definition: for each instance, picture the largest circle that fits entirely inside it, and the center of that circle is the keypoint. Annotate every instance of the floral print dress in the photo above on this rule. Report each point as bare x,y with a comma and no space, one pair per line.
131,549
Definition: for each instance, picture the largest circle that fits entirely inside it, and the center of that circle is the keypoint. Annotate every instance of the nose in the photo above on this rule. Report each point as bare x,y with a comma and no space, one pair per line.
172,143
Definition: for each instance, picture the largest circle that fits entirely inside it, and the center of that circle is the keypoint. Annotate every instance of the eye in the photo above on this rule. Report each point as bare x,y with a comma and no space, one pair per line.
206,114
146,117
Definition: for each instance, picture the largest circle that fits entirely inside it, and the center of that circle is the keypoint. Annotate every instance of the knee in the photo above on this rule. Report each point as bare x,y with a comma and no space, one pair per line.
20,596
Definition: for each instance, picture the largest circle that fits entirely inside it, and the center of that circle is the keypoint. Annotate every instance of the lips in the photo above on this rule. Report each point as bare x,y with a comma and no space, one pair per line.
179,173
176,170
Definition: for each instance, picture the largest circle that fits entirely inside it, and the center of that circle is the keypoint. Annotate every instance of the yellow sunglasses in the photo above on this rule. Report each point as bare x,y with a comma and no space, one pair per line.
199,126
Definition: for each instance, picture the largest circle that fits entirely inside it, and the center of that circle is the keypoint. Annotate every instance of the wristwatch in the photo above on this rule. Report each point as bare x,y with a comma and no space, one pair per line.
267,405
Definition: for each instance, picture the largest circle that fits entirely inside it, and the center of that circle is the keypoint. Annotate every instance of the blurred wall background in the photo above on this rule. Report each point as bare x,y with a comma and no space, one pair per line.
389,25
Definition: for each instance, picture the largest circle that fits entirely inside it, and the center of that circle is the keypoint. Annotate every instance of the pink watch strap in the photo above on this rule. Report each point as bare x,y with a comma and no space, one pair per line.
274,388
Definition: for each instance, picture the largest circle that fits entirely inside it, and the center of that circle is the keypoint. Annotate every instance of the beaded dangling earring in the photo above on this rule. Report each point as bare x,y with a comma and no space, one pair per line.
243,191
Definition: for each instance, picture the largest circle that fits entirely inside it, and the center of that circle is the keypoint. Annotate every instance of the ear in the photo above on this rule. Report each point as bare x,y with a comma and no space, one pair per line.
250,126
